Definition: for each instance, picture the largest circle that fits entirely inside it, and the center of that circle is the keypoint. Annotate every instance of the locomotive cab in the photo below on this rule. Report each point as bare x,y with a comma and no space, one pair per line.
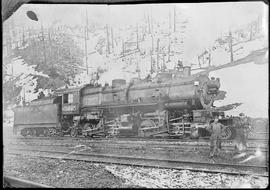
70,107
70,101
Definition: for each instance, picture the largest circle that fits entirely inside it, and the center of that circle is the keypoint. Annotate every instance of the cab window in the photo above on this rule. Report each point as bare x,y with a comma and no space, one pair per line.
70,98
67,98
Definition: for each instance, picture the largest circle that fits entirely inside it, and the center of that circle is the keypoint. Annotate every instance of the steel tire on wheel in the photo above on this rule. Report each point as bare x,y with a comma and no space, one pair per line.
24,133
73,132
61,134
38,132
45,132
34,132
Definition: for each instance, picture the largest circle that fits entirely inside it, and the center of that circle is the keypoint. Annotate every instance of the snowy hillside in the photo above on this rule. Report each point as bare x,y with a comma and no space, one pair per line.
247,84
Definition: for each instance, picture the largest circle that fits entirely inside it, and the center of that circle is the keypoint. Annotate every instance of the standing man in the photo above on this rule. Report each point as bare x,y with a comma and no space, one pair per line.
242,133
215,144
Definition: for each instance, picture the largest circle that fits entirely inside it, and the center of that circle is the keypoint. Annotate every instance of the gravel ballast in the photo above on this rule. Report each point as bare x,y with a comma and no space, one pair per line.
61,173
69,173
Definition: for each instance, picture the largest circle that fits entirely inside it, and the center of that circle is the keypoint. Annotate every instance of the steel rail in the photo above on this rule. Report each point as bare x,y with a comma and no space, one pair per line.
203,139
151,162
160,144
162,147
132,140
21,183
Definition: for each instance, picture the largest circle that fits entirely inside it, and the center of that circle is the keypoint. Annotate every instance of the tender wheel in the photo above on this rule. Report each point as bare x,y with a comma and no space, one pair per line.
45,132
61,134
227,133
33,132
24,133
52,131
38,132
74,132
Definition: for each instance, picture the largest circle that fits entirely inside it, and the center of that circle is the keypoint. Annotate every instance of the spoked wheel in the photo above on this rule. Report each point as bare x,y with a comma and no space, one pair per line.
38,132
61,133
227,133
24,132
52,132
73,132
45,132
33,132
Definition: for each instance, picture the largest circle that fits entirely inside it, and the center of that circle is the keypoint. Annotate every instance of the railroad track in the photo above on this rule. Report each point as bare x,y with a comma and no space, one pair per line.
254,142
14,182
233,169
132,139
123,146
203,144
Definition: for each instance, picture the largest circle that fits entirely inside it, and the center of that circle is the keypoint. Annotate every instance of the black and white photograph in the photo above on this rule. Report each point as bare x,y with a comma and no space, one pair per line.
135,95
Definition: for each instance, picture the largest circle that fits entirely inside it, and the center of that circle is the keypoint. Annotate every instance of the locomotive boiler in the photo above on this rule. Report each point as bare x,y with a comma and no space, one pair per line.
170,104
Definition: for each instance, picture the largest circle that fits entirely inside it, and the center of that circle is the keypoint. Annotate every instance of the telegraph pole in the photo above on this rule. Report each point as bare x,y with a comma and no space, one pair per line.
108,43
230,45
112,38
44,48
123,48
169,50
170,22
251,32
152,25
151,62
85,41
163,61
174,23
23,36
137,37
209,57
157,53
152,43
149,29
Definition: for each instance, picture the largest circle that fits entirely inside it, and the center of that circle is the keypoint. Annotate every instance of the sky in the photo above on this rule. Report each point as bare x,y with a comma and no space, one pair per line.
217,16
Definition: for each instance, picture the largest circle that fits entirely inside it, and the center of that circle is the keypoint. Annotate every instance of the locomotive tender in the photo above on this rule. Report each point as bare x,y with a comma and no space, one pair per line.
171,104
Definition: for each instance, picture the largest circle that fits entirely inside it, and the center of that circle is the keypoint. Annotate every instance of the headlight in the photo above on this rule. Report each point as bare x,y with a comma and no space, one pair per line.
196,83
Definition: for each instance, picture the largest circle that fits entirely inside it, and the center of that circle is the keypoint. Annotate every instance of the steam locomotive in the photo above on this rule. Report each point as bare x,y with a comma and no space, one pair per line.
172,104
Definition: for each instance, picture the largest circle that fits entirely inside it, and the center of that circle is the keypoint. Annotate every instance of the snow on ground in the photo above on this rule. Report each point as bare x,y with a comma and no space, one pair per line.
250,46
246,83
18,68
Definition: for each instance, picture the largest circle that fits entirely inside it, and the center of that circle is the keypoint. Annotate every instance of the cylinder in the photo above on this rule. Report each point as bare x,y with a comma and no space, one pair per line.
118,82
176,105
179,74
163,77
186,71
